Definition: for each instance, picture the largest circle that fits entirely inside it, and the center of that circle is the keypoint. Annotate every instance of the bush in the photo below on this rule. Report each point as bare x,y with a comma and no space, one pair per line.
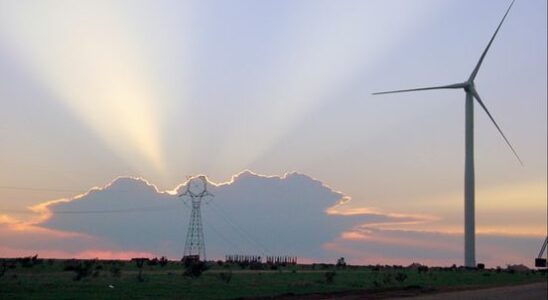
243,264
82,270
29,261
330,276
195,269
256,266
163,261
401,277
422,269
226,277
153,262
3,269
115,271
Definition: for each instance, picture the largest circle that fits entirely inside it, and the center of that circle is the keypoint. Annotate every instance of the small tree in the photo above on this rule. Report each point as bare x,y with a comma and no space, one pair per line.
140,262
341,263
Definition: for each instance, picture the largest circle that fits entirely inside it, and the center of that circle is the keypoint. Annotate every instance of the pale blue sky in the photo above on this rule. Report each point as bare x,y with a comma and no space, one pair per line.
90,90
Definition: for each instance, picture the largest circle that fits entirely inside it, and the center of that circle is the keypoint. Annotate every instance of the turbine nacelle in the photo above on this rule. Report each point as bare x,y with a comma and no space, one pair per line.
469,86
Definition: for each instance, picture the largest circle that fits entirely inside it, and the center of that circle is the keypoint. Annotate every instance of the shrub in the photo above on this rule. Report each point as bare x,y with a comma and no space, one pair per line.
422,269
82,270
226,277
243,264
195,269
115,271
400,277
163,261
330,276
26,262
153,262
256,266
3,269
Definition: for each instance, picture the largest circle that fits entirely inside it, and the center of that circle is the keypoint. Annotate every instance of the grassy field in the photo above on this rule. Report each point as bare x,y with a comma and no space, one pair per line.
57,279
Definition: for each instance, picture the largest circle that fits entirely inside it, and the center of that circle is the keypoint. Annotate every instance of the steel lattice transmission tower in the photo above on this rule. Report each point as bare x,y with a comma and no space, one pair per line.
196,189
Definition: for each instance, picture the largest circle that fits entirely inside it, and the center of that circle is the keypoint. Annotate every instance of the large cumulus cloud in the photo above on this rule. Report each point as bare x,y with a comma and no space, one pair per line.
292,214
263,215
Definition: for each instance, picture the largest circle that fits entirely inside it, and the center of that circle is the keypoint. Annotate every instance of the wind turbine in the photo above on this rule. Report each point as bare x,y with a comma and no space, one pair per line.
469,188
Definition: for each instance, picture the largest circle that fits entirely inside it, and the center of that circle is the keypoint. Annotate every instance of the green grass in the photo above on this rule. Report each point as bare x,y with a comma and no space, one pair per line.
50,281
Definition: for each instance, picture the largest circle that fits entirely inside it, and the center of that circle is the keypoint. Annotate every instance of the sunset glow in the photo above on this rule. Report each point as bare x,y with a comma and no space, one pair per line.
109,107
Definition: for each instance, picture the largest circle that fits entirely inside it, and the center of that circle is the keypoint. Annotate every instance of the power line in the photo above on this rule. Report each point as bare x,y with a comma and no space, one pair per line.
130,210
240,230
217,232
243,233
33,189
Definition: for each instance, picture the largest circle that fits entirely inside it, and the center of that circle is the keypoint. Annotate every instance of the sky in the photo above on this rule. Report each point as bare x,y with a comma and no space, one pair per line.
93,90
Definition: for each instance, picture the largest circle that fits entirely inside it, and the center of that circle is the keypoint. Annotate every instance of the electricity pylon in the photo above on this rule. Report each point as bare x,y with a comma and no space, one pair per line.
196,189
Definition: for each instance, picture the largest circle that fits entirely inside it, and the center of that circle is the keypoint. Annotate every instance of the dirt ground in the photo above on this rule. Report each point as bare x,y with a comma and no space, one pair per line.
532,291
526,292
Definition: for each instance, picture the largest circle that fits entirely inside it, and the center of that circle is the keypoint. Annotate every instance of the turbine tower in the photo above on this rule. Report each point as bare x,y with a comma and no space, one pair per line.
196,189
469,188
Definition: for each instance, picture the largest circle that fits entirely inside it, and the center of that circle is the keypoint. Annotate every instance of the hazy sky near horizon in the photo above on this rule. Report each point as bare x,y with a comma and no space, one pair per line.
92,90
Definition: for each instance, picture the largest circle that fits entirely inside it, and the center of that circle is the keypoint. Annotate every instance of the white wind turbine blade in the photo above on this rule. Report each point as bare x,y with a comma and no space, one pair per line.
450,86
476,69
477,96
